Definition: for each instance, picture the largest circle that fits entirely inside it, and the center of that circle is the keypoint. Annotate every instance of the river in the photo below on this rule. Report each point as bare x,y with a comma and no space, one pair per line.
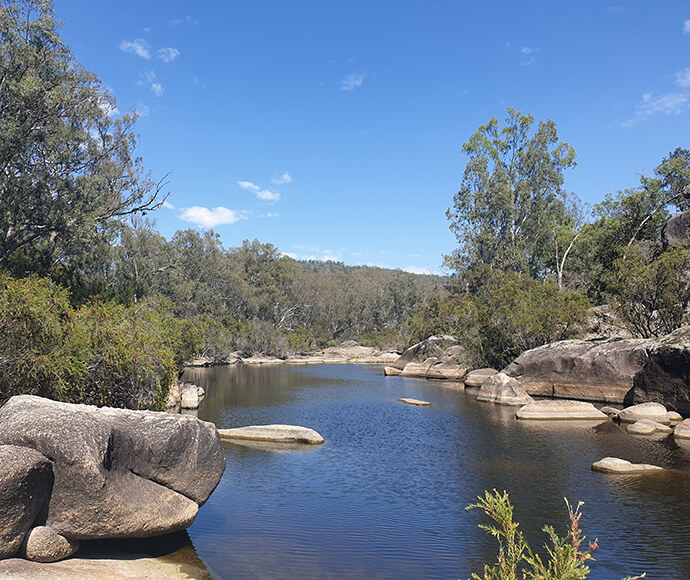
385,495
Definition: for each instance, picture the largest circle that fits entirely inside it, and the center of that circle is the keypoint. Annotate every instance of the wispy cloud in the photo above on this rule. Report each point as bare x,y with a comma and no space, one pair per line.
683,78
351,81
142,110
157,89
137,46
261,193
528,55
653,105
283,179
210,218
314,253
168,205
167,54
686,27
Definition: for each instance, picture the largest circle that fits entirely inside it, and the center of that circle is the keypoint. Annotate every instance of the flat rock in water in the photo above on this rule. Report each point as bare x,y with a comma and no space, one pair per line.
560,410
391,371
416,402
276,433
647,427
615,465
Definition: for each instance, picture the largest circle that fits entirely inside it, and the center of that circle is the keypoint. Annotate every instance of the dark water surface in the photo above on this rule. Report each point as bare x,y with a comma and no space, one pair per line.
385,496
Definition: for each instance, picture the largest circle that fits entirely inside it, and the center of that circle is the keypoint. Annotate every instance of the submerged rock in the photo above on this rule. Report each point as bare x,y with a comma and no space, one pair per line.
560,410
276,433
504,390
615,465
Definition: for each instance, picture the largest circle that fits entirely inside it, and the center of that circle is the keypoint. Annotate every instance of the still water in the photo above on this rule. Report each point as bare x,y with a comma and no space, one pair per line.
385,496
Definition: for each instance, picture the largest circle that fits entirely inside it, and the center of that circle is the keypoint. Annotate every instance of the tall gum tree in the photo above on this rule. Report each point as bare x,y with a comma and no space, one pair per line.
511,200
67,166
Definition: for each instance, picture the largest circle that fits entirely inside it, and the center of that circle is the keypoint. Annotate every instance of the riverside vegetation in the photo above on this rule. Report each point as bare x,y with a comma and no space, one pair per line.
96,306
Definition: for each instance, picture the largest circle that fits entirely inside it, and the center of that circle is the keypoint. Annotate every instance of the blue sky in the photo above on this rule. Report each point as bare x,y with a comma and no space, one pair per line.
333,129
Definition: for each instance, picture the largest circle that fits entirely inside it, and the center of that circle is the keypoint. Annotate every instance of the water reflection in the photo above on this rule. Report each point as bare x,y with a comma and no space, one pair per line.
385,496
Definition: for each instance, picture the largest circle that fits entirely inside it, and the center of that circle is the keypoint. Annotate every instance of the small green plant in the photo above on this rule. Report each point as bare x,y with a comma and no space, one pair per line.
567,559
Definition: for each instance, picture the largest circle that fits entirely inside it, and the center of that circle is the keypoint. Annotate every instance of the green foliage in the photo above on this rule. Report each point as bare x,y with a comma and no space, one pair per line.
651,295
511,199
68,167
499,315
44,349
566,557
102,353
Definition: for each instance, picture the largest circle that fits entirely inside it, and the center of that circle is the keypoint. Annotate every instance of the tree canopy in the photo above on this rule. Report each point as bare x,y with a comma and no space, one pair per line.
511,199
67,165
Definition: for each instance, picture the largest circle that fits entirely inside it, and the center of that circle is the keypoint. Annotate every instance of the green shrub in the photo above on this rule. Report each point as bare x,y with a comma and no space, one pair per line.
566,558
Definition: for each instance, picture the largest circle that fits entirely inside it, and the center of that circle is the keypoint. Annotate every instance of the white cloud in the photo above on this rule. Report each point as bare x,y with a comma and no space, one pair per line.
263,194
168,205
157,89
285,178
142,110
686,27
652,105
209,218
108,109
167,54
417,270
351,82
528,55
137,46
683,78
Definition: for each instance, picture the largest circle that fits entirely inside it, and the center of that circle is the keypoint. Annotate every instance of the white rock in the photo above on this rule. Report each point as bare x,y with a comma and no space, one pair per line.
417,402
682,430
560,410
504,390
476,377
189,398
647,427
277,433
391,371
615,465
652,411
674,417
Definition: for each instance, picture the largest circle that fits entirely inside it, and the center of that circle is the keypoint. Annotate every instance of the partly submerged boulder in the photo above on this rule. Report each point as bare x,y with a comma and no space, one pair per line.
647,427
650,411
560,410
415,402
579,369
504,390
616,465
117,473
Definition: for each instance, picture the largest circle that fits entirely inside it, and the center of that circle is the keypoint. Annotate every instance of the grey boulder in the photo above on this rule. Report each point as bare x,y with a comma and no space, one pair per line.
118,473
43,544
650,411
26,480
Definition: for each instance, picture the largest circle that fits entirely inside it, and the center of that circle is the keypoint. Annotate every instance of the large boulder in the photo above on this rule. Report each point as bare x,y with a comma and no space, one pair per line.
665,378
504,390
676,232
580,369
117,473
434,346
26,480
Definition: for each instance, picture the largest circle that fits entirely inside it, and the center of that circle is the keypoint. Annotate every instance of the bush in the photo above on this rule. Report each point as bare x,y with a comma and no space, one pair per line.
102,353
567,559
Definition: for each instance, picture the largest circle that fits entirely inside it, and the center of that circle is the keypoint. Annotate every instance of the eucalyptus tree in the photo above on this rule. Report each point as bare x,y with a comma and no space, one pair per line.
67,164
511,199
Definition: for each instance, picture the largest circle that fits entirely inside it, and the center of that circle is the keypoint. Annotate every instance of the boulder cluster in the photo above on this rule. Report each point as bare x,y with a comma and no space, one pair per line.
77,472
